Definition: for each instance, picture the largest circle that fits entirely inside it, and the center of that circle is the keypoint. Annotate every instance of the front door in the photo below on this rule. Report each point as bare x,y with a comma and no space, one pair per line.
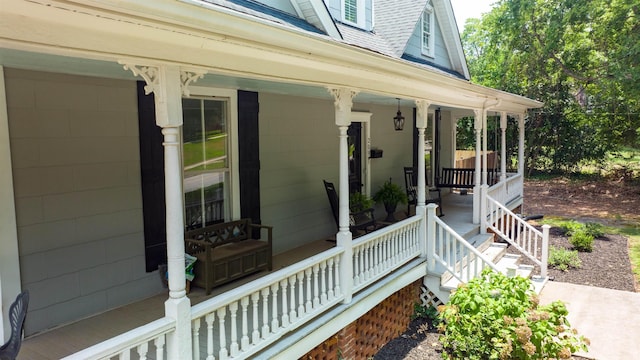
354,139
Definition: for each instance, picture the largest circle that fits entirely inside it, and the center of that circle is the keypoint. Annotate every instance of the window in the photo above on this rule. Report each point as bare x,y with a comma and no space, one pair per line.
353,12
428,31
206,161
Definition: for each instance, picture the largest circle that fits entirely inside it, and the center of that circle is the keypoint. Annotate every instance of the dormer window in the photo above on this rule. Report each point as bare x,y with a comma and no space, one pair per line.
428,37
353,12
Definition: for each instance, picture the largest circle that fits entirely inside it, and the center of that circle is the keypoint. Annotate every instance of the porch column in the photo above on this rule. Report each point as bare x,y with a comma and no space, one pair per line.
477,127
9,256
521,144
169,83
422,111
503,146
343,101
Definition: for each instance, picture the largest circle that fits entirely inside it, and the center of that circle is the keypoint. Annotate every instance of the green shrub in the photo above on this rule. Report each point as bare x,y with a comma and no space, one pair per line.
563,259
497,317
594,229
582,241
570,227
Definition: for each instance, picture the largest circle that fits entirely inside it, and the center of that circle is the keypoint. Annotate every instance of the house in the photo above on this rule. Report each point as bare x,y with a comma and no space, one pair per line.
102,99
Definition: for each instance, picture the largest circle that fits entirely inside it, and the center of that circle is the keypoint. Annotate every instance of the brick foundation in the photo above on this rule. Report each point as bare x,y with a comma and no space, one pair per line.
364,337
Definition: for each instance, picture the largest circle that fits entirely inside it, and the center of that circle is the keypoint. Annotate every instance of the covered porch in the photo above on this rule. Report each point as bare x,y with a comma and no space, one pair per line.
71,338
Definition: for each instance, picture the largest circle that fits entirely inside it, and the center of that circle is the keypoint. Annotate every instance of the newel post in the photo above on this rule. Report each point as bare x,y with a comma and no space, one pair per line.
431,237
343,101
484,192
545,251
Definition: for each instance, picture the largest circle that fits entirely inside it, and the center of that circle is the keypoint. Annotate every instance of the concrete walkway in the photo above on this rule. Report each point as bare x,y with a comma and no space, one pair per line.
610,319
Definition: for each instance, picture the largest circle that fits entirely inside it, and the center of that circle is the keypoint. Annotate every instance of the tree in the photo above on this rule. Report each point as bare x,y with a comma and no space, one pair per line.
580,57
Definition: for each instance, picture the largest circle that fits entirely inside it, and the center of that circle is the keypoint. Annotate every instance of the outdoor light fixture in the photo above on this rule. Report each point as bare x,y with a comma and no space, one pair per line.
398,120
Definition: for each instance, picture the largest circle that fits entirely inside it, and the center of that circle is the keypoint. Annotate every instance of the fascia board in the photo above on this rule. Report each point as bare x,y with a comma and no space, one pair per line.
258,50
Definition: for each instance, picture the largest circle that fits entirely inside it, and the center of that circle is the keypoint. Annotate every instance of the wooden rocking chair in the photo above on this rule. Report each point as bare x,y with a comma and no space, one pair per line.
358,221
433,195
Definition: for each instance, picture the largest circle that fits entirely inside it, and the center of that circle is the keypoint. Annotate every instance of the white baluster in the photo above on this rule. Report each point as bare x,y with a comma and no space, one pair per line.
316,286
159,343
195,338
224,352
210,319
367,269
330,292
337,273
274,308
234,348
265,312
356,265
142,351
292,303
323,282
244,341
308,304
255,335
285,309
301,294
376,257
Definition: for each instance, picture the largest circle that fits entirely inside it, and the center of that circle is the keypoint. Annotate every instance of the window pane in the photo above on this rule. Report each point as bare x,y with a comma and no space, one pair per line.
351,10
205,150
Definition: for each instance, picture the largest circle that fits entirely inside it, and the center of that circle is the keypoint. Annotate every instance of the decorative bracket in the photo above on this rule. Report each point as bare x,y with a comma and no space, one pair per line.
343,102
150,74
189,76
422,113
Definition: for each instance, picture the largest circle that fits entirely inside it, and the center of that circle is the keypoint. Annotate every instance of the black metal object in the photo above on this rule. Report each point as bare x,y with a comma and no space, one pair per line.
17,315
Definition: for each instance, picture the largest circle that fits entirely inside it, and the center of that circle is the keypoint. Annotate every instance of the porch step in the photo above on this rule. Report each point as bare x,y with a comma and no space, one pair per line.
493,252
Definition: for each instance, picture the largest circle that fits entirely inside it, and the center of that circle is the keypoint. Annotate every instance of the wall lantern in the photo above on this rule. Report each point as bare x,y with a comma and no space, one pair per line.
398,120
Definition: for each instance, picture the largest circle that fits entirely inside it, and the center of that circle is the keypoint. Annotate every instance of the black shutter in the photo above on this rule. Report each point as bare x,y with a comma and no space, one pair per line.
249,155
152,173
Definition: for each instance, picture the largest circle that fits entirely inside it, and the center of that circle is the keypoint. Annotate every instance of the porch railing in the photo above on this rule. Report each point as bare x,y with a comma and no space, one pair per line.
516,231
507,190
451,251
378,253
141,342
239,323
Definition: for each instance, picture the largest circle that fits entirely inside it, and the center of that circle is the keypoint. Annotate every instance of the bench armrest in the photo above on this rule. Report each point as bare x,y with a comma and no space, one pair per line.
267,227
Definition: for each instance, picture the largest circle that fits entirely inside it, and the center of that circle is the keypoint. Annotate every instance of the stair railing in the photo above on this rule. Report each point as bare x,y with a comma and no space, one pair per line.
516,231
450,250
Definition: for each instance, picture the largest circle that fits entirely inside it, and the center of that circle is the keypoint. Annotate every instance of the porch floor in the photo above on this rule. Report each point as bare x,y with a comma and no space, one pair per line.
68,339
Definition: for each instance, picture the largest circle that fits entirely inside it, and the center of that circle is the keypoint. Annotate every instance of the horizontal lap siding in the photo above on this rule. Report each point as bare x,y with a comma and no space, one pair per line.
74,145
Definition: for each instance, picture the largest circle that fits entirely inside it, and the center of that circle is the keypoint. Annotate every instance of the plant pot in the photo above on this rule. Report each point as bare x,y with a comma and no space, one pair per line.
391,209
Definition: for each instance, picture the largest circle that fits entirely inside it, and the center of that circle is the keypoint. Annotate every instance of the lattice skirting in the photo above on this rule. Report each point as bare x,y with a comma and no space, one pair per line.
364,337
428,298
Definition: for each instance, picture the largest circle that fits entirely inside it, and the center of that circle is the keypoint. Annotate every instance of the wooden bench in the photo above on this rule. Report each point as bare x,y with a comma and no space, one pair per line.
463,178
228,251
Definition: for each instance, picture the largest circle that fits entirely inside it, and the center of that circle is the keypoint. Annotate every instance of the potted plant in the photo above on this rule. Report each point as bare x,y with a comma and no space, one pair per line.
359,202
390,195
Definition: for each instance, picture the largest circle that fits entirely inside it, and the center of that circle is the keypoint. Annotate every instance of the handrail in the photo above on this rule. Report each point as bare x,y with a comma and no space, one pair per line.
456,255
516,231
137,339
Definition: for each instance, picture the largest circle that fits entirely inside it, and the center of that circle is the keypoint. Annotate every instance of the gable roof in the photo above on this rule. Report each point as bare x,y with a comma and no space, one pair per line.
316,13
396,19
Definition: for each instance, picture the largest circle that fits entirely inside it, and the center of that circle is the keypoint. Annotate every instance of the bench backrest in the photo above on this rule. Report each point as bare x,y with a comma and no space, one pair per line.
222,233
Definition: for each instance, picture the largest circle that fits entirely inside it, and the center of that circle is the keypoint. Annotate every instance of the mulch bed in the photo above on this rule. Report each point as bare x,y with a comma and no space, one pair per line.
607,266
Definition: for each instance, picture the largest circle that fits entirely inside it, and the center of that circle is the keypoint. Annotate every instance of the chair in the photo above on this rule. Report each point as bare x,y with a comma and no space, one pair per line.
433,195
358,221
17,315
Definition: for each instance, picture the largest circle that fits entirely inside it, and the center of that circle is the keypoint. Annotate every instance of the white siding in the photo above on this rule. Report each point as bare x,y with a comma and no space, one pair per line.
414,46
299,148
74,145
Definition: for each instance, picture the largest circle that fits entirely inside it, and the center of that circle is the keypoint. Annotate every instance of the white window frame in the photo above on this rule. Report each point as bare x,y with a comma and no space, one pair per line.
428,50
360,13
232,97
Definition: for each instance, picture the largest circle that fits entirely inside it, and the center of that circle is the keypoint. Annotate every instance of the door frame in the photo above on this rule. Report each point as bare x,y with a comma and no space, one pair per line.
364,118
